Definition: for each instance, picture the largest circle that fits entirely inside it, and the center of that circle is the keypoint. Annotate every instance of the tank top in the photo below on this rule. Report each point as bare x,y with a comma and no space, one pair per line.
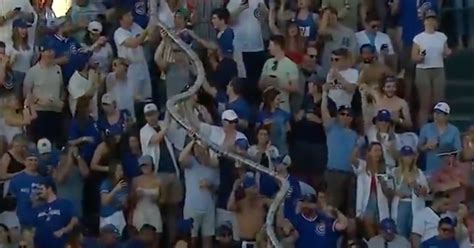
14,166
307,26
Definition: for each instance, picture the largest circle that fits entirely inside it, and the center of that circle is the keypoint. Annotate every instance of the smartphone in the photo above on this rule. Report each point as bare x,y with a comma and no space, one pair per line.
384,47
17,9
423,52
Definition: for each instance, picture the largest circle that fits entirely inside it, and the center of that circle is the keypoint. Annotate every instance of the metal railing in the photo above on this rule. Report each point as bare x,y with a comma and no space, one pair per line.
171,106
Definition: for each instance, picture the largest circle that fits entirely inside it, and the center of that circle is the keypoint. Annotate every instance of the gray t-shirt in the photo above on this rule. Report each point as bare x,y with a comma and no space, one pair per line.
379,242
340,37
71,188
198,199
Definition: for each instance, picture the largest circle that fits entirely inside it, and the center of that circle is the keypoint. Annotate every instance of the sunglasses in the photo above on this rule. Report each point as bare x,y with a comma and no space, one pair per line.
232,121
345,114
335,59
448,230
312,56
275,65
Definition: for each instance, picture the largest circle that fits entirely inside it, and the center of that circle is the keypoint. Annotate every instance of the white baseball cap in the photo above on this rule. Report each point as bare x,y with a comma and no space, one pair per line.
95,27
150,107
443,107
229,115
107,98
44,146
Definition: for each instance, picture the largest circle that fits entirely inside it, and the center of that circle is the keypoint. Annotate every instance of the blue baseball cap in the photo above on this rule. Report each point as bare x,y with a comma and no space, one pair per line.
32,152
388,225
249,182
407,151
110,229
20,23
242,143
282,160
448,221
309,198
383,116
46,44
114,130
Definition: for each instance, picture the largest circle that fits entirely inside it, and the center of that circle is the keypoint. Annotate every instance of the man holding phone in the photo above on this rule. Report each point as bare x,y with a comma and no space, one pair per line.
15,9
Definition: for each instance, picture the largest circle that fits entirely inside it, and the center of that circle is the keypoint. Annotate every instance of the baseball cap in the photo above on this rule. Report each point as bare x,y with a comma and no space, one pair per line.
443,107
309,198
46,44
448,221
284,160
430,13
249,182
388,225
32,152
242,143
113,130
383,115
347,108
224,229
44,146
95,27
107,98
20,23
48,182
150,107
407,151
184,13
145,160
229,115
58,22
110,229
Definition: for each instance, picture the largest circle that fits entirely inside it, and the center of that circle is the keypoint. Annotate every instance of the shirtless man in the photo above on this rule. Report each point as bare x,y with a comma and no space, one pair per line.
249,208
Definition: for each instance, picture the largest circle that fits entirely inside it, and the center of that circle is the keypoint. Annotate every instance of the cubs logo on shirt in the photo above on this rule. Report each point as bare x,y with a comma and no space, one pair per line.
140,8
257,13
49,213
320,229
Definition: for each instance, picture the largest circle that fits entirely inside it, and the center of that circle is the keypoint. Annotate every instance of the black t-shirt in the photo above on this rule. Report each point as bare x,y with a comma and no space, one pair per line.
309,131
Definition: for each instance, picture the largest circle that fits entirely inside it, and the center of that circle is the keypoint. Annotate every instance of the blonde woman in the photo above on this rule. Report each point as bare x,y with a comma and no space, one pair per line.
15,116
372,198
410,189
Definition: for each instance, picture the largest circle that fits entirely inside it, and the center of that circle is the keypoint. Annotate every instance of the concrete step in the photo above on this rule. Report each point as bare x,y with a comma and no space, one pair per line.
462,122
462,105
459,88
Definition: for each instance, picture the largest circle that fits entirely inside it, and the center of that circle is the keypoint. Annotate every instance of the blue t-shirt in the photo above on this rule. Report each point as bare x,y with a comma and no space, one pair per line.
292,197
241,108
317,232
225,71
88,128
434,242
121,124
268,186
341,143
279,120
118,200
49,218
225,40
95,243
48,162
66,47
24,187
130,165
449,138
410,20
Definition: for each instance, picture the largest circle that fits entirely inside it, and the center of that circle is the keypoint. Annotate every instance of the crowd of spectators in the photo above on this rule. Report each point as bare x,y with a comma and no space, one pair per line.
343,98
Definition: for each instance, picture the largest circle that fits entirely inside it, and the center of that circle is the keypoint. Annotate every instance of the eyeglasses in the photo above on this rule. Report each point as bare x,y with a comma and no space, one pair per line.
335,59
275,65
345,114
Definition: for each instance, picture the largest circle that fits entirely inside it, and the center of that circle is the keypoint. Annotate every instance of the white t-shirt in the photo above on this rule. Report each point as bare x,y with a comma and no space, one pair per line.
21,58
380,40
425,223
134,55
434,45
146,133
79,86
216,134
339,96
123,92
248,29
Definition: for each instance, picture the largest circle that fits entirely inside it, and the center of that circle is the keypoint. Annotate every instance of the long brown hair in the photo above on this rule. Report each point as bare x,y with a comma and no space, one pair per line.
300,41
18,41
378,164
409,172
269,96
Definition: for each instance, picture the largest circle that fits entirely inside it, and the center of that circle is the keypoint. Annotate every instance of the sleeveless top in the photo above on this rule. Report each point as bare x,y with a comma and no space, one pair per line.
14,166
307,26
